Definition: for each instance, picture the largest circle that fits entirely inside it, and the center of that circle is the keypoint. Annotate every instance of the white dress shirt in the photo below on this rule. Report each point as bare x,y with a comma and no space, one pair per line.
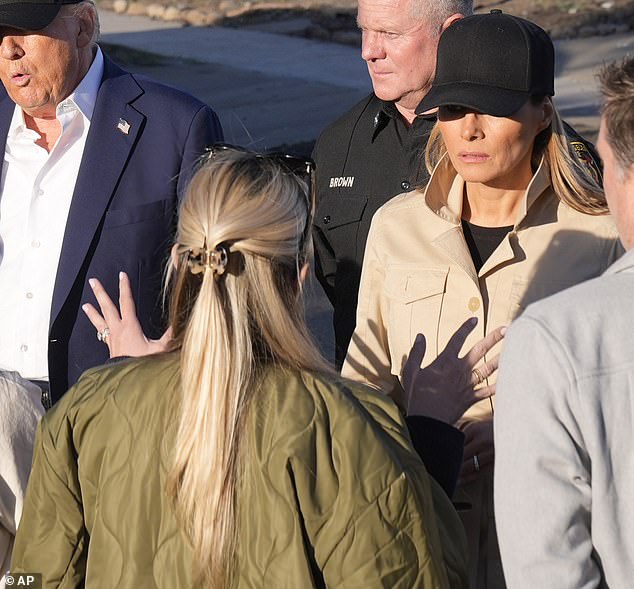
36,193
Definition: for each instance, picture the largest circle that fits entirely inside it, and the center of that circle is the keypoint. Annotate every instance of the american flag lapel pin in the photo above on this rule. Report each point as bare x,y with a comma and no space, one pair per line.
123,126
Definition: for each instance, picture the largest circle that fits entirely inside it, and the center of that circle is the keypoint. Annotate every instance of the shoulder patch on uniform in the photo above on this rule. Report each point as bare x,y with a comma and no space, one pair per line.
341,181
585,158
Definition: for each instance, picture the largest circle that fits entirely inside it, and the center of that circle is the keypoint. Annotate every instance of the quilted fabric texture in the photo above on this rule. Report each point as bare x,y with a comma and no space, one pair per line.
333,494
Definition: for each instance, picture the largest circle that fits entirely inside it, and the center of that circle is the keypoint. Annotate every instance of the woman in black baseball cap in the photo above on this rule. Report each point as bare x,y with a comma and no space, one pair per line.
509,216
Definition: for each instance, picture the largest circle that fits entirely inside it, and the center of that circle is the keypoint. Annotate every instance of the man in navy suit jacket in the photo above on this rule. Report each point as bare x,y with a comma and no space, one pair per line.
116,151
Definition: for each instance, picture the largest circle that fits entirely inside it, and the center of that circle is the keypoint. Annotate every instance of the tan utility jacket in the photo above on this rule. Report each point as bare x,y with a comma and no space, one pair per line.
418,276
333,493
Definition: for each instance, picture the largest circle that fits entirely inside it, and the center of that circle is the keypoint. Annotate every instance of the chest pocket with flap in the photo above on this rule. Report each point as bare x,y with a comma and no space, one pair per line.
146,212
414,295
337,211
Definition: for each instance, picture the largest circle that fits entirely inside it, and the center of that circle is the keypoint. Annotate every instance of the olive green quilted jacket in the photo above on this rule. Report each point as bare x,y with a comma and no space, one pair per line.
333,493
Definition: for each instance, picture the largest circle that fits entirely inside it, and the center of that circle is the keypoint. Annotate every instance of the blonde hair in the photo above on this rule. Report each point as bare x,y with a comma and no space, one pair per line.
572,182
229,327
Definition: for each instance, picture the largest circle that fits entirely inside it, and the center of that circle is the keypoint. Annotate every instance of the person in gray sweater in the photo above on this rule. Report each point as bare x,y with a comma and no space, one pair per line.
564,422
20,411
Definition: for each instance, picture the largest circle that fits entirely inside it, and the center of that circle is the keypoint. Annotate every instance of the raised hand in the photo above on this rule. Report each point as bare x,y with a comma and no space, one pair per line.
119,328
448,386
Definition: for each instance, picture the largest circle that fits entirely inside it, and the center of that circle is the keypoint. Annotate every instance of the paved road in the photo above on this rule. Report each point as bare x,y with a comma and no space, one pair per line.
268,89
577,62
271,89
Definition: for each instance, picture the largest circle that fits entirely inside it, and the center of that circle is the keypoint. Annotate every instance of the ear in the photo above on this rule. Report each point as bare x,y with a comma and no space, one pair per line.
450,20
301,277
87,26
547,113
303,273
174,255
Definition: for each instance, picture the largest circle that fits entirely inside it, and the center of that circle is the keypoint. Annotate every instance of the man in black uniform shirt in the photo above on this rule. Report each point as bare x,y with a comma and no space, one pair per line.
376,150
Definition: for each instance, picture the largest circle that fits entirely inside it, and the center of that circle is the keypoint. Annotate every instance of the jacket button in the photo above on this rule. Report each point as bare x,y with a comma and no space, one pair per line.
326,219
405,185
474,304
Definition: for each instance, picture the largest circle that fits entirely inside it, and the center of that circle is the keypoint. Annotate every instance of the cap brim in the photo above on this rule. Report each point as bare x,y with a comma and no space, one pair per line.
498,102
28,16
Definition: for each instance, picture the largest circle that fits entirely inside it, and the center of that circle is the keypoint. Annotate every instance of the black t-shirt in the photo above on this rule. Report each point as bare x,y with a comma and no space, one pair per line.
482,241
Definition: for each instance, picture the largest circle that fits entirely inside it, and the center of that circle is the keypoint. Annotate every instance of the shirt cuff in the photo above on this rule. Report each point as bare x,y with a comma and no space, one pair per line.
440,447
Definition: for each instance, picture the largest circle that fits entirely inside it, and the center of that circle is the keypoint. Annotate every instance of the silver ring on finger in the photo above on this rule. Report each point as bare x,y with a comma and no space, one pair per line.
476,463
103,335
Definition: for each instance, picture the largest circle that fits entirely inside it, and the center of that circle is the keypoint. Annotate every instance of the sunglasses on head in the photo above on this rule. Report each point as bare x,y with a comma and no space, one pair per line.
302,167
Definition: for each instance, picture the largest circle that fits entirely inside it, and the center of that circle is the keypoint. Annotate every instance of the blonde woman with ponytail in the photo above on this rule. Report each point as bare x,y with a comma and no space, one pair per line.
509,216
237,458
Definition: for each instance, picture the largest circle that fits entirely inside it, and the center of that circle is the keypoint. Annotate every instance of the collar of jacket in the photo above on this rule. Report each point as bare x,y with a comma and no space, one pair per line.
624,264
445,190
388,112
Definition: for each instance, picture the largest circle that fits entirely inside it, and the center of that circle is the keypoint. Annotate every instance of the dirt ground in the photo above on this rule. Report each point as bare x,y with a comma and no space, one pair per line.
566,18
563,19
